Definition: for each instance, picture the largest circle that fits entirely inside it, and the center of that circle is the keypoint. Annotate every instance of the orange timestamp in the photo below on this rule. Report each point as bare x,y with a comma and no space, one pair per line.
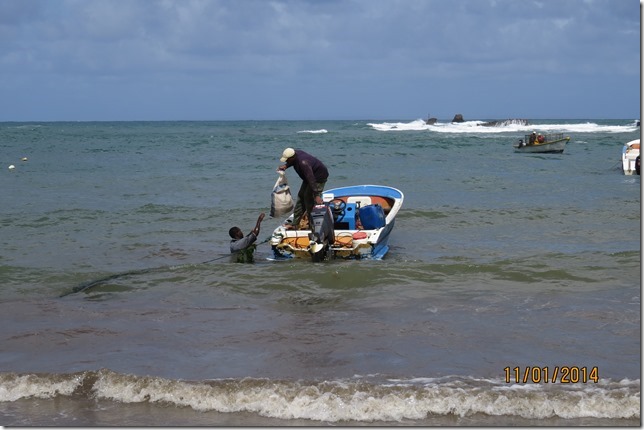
561,374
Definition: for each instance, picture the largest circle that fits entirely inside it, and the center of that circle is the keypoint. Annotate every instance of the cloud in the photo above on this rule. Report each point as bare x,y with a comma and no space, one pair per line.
259,50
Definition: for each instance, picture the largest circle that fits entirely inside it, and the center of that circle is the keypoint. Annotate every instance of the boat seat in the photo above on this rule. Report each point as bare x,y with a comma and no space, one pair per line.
301,242
386,203
363,200
343,241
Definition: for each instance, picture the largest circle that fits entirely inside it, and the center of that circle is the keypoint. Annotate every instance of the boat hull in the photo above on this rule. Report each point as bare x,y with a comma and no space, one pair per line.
630,154
554,147
351,239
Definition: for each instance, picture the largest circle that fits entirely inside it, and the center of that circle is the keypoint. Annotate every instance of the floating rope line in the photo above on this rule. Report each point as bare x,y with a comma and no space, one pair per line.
87,285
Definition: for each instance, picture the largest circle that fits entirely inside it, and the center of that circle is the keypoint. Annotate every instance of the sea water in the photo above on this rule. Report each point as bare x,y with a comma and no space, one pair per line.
506,271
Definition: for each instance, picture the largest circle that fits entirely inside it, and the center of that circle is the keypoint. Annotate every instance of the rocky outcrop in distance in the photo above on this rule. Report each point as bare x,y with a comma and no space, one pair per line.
458,118
495,123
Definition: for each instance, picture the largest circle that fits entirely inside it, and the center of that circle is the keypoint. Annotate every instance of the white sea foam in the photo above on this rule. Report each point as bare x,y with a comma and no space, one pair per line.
349,400
344,400
14,387
507,127
320,131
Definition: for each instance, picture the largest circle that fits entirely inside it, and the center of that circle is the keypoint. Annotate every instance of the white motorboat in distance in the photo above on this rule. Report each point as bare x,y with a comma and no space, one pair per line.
353,223
631,157
542,143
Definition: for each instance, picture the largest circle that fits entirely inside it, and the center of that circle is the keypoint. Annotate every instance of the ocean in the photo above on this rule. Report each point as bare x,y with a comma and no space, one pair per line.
511,295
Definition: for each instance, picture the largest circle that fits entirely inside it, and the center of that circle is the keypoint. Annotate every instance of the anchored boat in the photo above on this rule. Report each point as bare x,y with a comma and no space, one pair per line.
542,143
354,222
631,157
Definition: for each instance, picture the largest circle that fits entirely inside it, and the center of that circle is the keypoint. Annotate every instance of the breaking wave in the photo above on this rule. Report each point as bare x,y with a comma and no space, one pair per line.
503,126
321,131
363,399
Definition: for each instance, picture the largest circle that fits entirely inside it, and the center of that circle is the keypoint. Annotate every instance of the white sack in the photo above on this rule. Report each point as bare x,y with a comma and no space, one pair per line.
281,199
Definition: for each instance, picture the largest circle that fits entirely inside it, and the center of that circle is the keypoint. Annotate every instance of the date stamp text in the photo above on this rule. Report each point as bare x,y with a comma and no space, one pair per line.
548,374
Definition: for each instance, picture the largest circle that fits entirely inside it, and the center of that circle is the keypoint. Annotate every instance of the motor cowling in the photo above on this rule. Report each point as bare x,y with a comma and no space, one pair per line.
323,234
637,165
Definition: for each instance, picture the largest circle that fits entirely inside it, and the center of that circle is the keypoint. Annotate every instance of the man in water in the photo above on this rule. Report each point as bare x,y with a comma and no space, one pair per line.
244,247
314,175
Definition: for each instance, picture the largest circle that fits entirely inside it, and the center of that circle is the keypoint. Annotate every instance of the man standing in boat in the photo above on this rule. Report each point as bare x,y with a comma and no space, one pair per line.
314,175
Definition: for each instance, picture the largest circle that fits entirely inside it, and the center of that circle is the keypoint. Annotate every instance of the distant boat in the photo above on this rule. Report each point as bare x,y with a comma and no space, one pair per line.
542,143
631,157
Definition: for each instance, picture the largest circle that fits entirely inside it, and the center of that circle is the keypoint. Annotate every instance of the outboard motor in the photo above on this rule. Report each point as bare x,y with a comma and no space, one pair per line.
323,234
637,165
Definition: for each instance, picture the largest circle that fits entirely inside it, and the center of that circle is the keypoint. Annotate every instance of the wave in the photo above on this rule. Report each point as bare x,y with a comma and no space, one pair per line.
502,127
362,399
320,131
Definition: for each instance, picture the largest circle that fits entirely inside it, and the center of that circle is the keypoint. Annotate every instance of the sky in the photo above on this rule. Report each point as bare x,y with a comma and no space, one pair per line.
131,60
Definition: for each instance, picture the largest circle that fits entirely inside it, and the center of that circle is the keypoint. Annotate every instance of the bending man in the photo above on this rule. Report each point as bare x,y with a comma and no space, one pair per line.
314,175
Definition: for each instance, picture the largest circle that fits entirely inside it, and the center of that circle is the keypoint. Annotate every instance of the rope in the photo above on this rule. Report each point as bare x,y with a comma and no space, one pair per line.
87,285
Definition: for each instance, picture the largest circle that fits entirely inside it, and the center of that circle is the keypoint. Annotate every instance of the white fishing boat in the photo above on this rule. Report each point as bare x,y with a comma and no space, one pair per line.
542,143
353,223
631,157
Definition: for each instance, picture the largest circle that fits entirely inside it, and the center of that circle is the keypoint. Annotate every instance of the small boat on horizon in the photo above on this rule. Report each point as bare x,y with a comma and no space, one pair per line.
542,143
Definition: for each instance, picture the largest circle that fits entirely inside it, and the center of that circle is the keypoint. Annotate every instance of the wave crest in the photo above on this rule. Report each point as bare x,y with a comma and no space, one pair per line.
481,127
343,400
320,131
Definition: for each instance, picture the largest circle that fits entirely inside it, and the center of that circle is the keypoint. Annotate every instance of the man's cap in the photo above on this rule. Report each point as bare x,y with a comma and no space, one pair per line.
288,153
